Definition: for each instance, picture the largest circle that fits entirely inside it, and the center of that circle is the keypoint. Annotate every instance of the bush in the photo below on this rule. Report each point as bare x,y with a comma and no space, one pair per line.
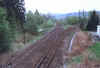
96,50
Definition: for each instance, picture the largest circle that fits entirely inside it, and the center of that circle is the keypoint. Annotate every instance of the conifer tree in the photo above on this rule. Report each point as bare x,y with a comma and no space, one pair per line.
4,32
93,21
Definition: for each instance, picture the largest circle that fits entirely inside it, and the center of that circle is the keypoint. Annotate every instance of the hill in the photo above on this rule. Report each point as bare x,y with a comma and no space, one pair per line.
62,16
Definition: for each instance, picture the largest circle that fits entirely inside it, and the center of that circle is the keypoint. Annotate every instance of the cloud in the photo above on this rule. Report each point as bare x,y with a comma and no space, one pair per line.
61,6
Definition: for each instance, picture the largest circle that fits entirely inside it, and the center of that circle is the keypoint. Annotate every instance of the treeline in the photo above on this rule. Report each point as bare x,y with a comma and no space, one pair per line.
85,22
37,23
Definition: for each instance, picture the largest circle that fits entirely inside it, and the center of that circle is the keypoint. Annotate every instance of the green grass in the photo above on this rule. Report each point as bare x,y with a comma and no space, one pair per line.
96,50
77,59
94,54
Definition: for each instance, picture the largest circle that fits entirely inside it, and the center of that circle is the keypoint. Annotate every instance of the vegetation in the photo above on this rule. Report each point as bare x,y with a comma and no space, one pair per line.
95,49
4,32
75,20
93,21
31,25
77,59
12,17
92,52
72,20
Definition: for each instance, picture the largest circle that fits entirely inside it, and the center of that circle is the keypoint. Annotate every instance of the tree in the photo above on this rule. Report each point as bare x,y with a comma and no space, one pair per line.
16,14
72,20
4,32
15,8
37,13
1,3
31,25
93,21
83,22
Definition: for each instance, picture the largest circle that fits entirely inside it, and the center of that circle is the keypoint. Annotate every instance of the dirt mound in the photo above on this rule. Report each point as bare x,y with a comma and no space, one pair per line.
81,42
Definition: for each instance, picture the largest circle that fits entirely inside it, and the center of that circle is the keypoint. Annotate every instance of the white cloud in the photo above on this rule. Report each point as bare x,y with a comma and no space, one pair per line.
61,6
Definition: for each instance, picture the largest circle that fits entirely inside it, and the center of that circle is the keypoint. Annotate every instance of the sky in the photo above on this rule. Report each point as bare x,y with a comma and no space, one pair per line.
62,6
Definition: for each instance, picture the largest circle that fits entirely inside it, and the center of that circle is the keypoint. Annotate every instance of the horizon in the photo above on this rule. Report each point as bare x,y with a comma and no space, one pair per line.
61,6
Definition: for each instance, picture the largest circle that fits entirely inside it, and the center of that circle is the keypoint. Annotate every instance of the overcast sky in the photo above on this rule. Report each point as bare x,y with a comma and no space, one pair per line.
62,6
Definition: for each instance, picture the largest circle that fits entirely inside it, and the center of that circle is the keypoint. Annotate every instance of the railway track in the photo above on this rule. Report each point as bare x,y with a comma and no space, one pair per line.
41,54
45,53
